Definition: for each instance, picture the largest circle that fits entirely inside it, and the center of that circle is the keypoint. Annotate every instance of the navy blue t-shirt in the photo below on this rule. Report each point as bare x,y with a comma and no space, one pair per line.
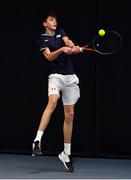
62,64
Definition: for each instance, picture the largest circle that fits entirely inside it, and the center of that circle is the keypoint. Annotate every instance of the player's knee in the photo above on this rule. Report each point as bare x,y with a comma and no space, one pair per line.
69,116
52,104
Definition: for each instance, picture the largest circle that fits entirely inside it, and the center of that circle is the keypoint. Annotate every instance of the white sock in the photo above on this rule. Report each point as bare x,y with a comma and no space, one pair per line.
67,148
39,135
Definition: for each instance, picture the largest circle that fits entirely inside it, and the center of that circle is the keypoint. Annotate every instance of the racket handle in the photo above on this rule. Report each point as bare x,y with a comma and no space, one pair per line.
81,49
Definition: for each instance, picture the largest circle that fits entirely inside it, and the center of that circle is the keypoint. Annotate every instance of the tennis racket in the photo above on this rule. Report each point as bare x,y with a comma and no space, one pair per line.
110,43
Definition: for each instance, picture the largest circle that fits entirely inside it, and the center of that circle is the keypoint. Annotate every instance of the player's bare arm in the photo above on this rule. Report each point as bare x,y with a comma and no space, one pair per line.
50,56
69,43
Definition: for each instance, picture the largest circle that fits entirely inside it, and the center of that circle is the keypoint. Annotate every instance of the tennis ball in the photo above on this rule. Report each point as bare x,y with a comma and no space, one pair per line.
101,32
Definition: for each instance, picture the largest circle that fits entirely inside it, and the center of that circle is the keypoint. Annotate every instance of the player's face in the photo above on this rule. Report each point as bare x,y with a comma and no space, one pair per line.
51,23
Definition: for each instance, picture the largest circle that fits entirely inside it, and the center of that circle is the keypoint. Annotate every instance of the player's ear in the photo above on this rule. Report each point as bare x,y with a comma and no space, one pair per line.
44,24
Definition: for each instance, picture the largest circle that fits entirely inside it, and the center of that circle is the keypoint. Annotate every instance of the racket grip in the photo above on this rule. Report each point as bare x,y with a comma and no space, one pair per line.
81,49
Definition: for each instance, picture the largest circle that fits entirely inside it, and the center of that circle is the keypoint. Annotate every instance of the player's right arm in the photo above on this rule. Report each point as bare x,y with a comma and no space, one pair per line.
50,56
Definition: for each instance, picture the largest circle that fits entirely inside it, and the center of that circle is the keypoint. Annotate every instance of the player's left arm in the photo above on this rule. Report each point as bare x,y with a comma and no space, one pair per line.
69,43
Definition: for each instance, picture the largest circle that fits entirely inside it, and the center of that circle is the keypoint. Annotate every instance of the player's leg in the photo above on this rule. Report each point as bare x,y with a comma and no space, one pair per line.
52,102
48,111
53,93
70,95
68,127
65,156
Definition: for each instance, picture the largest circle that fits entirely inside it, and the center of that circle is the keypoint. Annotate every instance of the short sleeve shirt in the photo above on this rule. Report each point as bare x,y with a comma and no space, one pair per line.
63,63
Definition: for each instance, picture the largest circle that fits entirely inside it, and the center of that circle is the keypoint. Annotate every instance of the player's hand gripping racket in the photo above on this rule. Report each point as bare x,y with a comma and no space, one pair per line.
109,43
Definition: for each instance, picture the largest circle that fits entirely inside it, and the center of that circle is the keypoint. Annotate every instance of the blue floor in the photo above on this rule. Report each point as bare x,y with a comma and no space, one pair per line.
49,167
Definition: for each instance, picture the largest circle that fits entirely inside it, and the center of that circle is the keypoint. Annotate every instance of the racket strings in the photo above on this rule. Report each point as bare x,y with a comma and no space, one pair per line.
109,43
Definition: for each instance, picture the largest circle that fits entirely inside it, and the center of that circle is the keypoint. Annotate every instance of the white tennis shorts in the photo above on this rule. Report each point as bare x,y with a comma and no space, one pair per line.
67,85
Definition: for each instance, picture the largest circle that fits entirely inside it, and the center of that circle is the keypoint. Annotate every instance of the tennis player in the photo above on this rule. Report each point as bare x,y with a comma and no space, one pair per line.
56,47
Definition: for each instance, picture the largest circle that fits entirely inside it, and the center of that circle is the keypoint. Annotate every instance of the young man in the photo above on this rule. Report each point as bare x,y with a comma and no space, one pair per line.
56,47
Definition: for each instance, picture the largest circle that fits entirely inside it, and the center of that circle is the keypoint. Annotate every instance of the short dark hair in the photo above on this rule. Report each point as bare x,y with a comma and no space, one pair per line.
49,13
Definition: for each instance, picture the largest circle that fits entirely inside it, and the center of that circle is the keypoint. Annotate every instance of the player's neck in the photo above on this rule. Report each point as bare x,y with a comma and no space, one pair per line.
50,32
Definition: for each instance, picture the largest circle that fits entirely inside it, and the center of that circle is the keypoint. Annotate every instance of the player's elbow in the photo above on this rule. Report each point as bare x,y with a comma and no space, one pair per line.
49,58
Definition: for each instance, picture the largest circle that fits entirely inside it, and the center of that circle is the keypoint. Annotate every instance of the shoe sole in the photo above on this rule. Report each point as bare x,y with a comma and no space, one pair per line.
63,162
36,154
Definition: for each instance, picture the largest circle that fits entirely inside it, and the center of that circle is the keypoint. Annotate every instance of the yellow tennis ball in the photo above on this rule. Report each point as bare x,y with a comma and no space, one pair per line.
101,32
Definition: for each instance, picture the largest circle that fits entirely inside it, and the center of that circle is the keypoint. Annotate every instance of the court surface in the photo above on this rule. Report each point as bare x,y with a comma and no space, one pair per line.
15,166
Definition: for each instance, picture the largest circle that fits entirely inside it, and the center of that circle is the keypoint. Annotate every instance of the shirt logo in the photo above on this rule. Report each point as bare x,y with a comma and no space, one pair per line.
46,40
59,35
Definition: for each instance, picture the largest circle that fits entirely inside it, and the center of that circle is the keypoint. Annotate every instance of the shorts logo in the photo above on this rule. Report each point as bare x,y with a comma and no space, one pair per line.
53,88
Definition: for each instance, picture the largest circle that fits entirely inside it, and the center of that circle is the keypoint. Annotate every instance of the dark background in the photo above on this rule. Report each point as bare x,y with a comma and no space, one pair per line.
103,117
